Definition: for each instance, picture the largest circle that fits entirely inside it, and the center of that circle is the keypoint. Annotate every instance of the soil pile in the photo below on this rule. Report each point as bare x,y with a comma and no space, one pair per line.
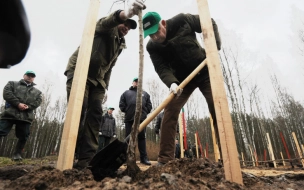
178,174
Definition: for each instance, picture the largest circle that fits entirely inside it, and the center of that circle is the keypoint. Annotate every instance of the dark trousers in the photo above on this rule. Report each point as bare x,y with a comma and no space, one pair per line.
141,139
170,119
22,131
87,139
103,141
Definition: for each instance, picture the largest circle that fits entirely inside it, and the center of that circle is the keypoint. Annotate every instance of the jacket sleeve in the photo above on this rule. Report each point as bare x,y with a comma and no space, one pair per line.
122,103
9,96
148,104
161,66
158,121
35,104
194,22
114,127
107,23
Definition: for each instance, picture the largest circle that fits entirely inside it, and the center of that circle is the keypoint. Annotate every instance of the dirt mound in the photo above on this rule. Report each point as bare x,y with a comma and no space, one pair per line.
177,174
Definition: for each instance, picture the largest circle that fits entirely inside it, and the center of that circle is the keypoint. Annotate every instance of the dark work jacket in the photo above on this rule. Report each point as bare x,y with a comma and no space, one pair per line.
181,53
105,50
127,104
108,125
16,92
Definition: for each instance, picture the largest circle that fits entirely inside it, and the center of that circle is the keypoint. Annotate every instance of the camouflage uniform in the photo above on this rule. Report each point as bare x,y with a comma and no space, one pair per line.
107,46
16,92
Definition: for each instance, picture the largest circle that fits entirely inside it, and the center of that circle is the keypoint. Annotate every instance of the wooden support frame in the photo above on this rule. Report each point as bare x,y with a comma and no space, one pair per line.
181,135
270,150
282,158
298,147
229,152
71,124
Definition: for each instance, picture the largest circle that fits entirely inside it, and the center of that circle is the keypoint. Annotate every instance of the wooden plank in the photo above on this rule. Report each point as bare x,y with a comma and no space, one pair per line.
181,135
298,147
71,124
215,145
282,159
251,154
229,152
271,155
243,159
196,145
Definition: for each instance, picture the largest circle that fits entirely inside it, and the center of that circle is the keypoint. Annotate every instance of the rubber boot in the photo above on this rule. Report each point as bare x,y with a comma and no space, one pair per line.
19,147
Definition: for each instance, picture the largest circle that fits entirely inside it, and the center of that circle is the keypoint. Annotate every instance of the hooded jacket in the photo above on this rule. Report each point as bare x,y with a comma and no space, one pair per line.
108,125
181,53
16,92
127,104
107,46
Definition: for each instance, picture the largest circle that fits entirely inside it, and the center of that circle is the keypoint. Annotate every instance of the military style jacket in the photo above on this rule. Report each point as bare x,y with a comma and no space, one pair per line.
16,92
107,46
181,53
127,104
108,125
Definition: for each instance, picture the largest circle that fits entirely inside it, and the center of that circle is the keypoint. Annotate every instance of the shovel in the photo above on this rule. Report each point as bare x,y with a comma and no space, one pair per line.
107,161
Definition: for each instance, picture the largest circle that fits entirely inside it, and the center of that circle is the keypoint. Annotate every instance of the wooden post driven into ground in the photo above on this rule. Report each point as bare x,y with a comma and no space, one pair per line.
270,150
71,124
243,159
229,152
282,159
298,147
252,158
215,145
196,145
181,135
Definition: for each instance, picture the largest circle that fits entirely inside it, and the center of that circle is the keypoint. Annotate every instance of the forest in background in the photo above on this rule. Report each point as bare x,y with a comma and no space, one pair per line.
253,114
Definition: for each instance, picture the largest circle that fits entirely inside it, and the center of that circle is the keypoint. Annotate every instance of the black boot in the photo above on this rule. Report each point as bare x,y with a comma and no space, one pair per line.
19,147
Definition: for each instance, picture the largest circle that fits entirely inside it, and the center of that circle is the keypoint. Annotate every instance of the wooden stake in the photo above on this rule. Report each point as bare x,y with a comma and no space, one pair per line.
271,155
215,145
224,123
243,159
298,147
71,124
253,164
196,145
181,135
282,159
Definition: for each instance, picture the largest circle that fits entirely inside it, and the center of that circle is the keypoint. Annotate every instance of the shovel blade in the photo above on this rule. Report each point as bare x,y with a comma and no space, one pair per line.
107,161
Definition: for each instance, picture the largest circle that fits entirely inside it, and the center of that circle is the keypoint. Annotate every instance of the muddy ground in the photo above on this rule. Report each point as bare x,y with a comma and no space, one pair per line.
178,174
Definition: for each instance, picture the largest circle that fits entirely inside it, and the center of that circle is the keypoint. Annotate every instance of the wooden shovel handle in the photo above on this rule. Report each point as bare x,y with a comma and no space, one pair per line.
170,97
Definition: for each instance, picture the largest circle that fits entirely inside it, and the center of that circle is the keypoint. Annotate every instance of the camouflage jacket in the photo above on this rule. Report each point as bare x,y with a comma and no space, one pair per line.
107,46
181,53
16,92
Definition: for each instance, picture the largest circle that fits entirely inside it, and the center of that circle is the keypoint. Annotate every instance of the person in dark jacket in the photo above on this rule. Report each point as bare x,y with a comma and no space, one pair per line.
107,129
21,99
108,43
158,123
175,53
127,104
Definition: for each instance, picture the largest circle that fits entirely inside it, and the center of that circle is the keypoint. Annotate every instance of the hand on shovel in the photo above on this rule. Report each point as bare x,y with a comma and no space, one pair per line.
174,88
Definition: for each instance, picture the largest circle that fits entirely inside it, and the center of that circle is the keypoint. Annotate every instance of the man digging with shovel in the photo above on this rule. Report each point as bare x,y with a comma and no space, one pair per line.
175,53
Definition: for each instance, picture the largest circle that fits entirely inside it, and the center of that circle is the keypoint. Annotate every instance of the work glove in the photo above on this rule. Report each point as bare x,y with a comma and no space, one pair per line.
132,7
100,133
157,131
105,97
114,136
175,90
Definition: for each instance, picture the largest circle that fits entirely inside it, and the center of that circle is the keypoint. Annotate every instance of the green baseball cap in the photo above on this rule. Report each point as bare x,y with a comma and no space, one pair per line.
135,79
111,108
150,23
30,73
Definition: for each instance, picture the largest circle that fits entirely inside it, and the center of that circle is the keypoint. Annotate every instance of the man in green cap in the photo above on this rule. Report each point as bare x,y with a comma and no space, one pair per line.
21,99
175,53
108,43
107,129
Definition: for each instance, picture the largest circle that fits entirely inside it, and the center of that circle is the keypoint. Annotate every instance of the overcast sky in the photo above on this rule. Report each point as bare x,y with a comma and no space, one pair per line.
262,27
